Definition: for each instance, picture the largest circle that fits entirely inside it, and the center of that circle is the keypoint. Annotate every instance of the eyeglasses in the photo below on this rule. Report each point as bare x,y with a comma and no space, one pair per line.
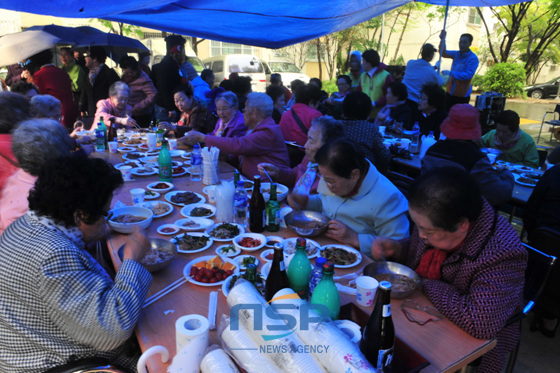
224,108
330,185
420,315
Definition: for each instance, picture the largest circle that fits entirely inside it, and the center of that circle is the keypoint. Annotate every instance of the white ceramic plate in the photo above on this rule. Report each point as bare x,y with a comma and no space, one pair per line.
134,156
290,247
266,269
164,226
128,163
209,230
126,149
139,171
152,158
162,190
347,248
162,205
239,260
176,163
145,147
255,236
154,195
171,194
187,210
265,253
187,270
517,178
231,252
128,143
195,234
180,173
186,155
270,239
199,224
177,153
520,167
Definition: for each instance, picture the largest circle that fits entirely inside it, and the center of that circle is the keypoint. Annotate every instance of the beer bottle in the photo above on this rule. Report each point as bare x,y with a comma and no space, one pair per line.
300,269
378,339
277,278
257,208
273,210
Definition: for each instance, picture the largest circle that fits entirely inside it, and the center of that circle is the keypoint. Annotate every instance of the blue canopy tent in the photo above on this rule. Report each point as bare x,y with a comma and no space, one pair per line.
270,24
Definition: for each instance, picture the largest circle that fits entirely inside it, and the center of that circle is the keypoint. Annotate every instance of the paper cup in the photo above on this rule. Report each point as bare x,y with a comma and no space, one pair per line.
126,172
492,157
405,143
210,191
366,287
138,195
151,141
113,145
172,144
382,130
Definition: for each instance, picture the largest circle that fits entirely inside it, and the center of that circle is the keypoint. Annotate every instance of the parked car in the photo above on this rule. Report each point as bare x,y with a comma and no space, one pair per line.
543,90
287,70
243,64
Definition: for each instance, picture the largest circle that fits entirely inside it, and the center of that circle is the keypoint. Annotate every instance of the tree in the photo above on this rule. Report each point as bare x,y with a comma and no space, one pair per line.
297,53
121,28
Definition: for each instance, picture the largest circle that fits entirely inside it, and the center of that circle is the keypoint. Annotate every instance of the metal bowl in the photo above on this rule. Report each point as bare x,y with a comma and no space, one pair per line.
297,221
377,268
156,243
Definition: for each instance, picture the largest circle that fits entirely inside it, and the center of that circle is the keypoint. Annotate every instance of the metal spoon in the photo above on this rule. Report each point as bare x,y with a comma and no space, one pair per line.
387,270
267,175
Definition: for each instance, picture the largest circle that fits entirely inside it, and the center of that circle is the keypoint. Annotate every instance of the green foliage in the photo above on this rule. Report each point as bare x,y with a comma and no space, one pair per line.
122,28
505,78
329,86
478,80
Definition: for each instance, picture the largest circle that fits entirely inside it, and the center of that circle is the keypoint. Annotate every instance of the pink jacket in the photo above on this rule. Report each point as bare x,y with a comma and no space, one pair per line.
235,128
8,160
106,110
291,130
142,95
264,143
13,200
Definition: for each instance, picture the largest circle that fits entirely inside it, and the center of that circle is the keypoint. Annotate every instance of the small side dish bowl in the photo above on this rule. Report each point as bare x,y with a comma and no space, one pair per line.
250,241
145,213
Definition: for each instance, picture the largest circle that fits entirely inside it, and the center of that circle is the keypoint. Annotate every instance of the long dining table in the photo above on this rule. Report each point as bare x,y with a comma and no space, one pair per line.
442,344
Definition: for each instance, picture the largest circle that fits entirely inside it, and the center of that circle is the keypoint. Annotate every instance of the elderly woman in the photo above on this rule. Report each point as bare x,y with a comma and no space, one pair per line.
323,129
276,93
35,142
361,203
296,122
333,104
194,117
431,113
115,109
231,122
58,303
471,259
14,109
396,110
142,91
263,143
516,145
46,106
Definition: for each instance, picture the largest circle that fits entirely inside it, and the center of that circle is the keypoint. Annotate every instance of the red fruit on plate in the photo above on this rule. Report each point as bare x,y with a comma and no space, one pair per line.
219,276
198,278
213,280
194,271
229,272
205,280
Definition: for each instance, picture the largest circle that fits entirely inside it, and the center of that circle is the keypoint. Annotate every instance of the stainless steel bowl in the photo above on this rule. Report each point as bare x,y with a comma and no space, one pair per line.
297,221
156,243
377,268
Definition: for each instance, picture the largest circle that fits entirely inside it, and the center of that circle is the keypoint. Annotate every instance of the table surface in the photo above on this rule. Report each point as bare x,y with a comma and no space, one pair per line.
442,343
519,197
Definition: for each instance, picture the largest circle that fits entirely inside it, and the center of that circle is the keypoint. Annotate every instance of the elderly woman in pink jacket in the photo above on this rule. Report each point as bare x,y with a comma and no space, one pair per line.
263,142
115,109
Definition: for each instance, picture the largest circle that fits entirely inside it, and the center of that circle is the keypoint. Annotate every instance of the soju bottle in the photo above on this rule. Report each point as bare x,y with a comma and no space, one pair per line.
105,136
277,278
300,269
326,292
236,177
378,340
164,161
101,136
273,210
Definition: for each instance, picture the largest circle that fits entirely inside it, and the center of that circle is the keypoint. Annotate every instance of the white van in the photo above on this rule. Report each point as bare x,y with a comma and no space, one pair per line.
288,70
243,64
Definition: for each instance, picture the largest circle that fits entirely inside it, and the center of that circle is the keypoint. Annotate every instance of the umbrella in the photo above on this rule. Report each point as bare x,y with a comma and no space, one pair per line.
22,45
67,35
115,45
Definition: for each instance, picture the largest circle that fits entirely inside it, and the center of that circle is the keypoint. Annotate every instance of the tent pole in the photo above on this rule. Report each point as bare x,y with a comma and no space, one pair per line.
444,26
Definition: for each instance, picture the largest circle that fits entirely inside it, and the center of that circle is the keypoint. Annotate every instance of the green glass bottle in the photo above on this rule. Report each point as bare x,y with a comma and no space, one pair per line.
106,139
164,161
273,210
236,177
326,293
300,269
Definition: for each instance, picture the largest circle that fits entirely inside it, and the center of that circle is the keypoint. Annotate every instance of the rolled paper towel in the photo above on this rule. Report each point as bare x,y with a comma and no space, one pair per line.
192,341
217,361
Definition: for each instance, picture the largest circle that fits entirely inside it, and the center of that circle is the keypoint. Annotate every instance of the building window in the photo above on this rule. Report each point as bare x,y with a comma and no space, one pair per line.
553,68
217,48
474,17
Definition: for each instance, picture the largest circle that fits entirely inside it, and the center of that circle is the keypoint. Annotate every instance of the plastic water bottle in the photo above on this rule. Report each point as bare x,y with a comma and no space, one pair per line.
415,140
240,204
427,141
316,274
101,136
196,163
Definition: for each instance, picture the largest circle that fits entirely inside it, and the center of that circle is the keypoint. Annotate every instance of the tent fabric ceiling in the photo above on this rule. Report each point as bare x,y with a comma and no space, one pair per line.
270,24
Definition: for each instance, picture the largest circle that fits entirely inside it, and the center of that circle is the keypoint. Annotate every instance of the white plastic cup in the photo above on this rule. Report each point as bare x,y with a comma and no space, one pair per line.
151,141
366,287
210,191
113,145
382,130
405,143
172,144
126,172
492,157
138,195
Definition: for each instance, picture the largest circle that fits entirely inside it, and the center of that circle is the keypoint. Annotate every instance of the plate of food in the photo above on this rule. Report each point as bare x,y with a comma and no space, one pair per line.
210,270
177,153
192,242
132,164
522,168
524,180
151,158
224,231
144,171
132,142
160,186
151,194
228,250
245,260
144,146
159,209
176,163
342,256
250,241
193,224
312,248
281,191
126,149
168,229
198,210
178,171
267,255
272,240
133,156
184,197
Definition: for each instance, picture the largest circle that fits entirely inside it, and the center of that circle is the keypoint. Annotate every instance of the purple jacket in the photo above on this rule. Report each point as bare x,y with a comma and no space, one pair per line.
481,285
142,95
264,143
235,128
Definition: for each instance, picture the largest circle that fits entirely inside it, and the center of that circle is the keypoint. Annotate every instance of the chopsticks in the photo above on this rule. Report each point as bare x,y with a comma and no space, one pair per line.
165,291
293,143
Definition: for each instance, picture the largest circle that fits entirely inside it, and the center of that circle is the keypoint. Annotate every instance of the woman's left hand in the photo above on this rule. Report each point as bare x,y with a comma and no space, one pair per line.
341,232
